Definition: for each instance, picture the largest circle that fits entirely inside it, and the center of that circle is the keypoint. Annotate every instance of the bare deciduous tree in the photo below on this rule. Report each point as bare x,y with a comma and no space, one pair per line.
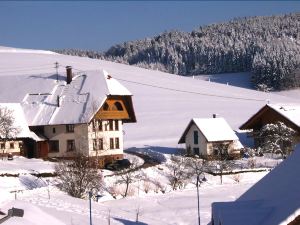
128,176
196,167
223,163
7,128
177,171
78,176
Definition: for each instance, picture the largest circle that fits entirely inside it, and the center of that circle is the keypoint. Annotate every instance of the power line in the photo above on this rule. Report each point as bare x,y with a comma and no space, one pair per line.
192,92
185,91
153,86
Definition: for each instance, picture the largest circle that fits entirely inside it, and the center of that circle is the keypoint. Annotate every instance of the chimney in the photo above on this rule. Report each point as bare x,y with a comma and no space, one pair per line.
58,101
69,74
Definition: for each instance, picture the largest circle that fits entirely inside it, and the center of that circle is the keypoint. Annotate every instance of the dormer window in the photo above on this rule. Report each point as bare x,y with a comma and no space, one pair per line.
105,107
118,106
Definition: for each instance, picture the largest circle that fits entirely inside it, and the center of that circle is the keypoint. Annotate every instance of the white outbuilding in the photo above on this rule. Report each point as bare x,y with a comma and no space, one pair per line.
203,136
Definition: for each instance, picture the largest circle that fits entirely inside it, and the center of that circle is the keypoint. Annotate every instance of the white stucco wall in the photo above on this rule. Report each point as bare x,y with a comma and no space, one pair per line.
7,149
106,135
189,140
61,135
83,136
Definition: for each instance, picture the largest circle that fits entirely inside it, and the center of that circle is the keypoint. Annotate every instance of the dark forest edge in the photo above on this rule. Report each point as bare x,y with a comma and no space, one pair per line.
268,46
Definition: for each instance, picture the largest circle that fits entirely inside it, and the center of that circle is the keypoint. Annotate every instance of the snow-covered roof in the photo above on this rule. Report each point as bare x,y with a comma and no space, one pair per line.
277,194
249,212
19,119
213,129
47,99
289,111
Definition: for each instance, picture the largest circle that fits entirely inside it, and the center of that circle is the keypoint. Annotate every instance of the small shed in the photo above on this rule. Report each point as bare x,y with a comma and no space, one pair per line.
203,136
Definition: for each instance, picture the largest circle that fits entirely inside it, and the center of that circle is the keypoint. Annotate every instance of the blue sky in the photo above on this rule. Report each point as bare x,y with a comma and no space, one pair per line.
99,25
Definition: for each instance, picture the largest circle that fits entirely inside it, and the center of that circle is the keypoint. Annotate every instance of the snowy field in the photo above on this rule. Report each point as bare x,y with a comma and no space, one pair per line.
164,104
242,80
56,207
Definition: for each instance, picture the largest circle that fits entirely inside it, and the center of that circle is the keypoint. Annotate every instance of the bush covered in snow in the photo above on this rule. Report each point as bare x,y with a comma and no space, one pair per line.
277,138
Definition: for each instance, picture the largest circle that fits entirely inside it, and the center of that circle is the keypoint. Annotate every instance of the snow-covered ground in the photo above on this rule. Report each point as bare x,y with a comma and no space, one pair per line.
242,80
21,165
173,207
164,104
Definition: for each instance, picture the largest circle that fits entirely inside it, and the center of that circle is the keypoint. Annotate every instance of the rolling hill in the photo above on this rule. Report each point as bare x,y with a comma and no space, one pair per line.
164,103
266,46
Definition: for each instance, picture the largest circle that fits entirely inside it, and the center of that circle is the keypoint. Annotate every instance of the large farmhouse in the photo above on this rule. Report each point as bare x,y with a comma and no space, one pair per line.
203,136
67,114
272,113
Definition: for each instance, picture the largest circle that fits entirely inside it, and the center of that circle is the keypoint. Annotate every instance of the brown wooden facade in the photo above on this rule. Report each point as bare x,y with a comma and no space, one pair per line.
267,115
117,107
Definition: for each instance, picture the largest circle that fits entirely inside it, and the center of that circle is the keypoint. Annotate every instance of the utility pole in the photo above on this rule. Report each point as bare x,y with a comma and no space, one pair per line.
90,198
92,193
56,67
198,199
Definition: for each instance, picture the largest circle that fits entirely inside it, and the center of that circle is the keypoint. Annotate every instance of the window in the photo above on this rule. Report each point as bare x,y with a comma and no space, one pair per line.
118,106
195,137
111,143
95,144
116,124
70,128
53,146
111,124
94,125
100,127
11,145
2,145
117,143
100,143
53,130
70,145
105,107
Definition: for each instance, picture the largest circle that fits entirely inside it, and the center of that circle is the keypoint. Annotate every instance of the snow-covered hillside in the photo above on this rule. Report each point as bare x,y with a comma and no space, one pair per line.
234,79
27,51
164,103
